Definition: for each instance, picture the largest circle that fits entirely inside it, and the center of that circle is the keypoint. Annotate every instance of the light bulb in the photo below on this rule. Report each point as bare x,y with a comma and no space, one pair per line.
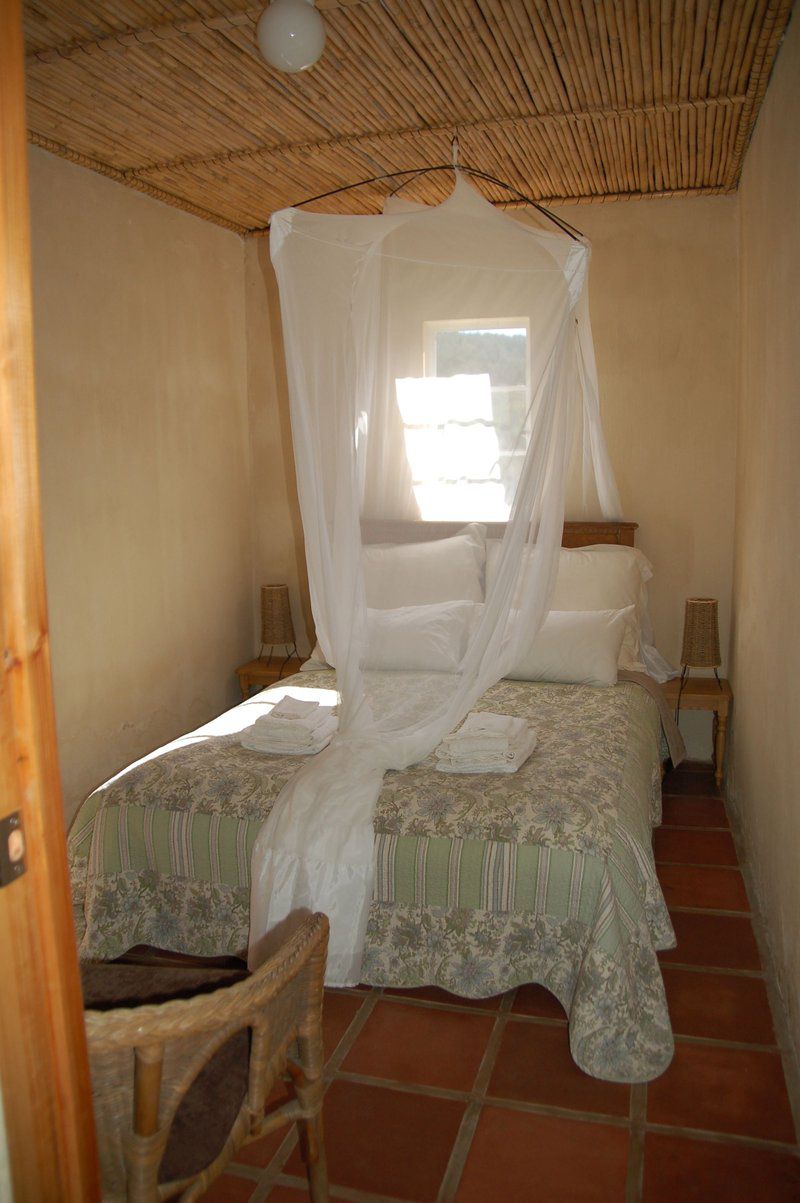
291,34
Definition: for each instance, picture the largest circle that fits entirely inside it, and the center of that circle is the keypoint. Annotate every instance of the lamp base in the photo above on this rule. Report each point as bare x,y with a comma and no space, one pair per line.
292,653
684,677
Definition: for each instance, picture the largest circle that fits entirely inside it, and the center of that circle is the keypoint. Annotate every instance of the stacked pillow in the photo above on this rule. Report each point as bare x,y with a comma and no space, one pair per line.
422,599
418,574
606,576
409,581
431,638
575,648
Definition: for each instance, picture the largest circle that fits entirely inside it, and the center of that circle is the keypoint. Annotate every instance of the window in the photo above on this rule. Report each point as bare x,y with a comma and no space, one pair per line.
466,420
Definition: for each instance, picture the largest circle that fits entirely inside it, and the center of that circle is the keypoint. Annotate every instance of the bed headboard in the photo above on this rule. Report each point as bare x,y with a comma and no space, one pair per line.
576,534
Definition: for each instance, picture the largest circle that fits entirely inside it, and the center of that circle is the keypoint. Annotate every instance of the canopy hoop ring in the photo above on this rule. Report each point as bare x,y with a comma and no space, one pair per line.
414,172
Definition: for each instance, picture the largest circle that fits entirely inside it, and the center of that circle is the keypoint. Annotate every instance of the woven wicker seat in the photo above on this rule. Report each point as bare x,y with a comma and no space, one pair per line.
145,1059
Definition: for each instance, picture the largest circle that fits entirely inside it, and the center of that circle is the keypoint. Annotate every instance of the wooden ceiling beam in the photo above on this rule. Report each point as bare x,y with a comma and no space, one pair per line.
140,37
166,30
585,115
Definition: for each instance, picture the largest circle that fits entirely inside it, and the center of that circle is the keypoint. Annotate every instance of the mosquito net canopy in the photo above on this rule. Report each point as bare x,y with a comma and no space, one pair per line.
440,367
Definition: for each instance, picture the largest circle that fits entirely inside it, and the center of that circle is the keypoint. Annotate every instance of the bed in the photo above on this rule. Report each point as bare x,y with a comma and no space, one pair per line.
481,882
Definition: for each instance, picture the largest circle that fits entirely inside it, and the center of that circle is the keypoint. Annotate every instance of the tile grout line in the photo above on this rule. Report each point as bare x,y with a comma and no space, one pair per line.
714,1042
469,1123
268,1173
252,1173
544,1020
262,1190
351,1034
403,1087
459,1153
490,1013
696,864
347,1193
722,970
274,1168
435,1005
637,1114
733,1138
442,1092
693,827
719,912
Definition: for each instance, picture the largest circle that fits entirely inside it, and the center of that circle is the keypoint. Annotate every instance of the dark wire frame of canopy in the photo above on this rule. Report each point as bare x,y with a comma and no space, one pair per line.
415,172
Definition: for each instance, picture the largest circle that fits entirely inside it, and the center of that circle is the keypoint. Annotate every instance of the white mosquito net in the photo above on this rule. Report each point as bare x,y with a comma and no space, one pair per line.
440,366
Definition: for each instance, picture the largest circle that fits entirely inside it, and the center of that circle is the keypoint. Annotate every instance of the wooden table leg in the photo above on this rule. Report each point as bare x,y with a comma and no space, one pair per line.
244,685
719,746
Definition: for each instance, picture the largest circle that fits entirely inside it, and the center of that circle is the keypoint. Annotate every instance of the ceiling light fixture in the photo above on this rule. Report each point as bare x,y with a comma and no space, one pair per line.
291,35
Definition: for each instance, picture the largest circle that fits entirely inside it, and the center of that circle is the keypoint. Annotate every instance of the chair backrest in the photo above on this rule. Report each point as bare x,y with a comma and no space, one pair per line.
144,1060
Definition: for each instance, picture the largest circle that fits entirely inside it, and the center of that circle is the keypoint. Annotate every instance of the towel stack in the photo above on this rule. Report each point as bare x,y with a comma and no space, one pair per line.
293,727
486,743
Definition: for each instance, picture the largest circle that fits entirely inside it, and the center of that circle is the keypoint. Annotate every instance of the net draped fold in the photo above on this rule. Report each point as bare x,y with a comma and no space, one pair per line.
375,311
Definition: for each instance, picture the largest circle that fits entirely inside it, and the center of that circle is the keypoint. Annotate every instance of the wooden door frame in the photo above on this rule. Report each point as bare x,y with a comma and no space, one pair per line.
43,1062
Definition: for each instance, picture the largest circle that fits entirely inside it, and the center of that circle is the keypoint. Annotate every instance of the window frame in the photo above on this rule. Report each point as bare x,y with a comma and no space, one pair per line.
433,326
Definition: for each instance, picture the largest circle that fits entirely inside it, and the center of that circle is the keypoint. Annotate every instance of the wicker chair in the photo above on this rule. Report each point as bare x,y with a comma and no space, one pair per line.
145,1059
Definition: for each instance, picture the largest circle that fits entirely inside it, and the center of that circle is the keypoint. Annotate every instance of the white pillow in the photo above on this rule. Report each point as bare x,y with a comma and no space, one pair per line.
426,638
575,647
417,574
605,576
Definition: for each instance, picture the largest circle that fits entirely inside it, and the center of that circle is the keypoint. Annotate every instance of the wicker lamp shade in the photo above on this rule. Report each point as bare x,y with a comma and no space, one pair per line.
276,615
701,633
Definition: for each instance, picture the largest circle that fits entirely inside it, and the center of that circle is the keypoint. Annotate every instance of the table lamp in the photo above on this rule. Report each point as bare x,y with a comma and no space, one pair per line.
700,636
276,620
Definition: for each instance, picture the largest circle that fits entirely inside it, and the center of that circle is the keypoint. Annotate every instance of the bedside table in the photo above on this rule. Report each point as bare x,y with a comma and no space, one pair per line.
703,693
265,671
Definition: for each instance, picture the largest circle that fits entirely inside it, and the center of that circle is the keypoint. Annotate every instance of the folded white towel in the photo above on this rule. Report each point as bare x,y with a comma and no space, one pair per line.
297,719
485,739
304,728
272,750
473,748
294,708
478,755
299,739
263,734
519,751
301,729
263,741
485,731
485,724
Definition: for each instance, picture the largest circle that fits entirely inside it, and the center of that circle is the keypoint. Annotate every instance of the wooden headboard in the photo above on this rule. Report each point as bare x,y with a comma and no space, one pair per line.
576,534
582,534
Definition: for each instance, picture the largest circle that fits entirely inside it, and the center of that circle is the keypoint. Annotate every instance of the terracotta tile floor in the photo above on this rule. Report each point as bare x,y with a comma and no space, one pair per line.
432,1098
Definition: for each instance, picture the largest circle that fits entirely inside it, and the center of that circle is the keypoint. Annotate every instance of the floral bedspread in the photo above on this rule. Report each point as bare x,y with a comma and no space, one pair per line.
481,882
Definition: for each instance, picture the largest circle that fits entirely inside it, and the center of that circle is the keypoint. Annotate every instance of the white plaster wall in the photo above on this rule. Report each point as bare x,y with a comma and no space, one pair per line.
663,298
146,485
279,552
766,643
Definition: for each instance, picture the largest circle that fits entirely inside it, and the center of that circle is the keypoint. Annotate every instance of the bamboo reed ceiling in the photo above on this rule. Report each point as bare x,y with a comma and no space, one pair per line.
568,100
